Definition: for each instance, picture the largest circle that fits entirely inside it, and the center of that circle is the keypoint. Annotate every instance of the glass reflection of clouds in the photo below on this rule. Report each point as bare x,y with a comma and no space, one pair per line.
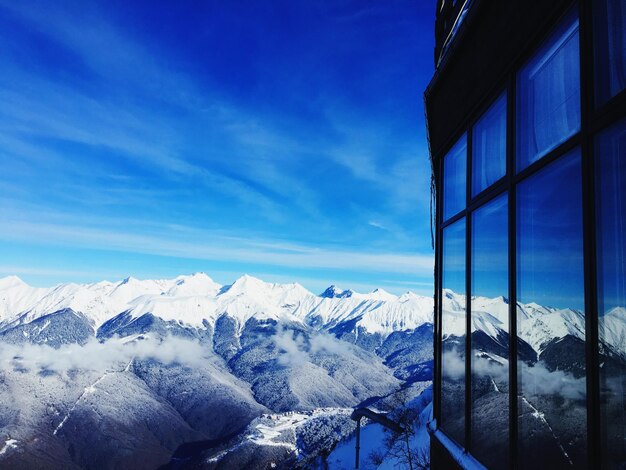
551,390
454,170
453,329
490,352
548,97
549,236
489,147
609,30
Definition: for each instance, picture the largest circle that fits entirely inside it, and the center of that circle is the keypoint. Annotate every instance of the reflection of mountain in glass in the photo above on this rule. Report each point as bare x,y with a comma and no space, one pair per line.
612,336
552,411
452,321
552,386
610,186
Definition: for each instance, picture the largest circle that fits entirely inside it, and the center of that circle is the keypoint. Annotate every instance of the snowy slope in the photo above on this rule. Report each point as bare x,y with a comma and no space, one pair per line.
377,312
611,330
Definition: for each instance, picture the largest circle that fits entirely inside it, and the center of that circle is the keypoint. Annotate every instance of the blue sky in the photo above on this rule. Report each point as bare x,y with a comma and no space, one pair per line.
276,138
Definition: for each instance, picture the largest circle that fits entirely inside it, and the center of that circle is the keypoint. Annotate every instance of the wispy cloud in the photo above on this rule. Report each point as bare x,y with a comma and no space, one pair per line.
98,356
209,246
375,224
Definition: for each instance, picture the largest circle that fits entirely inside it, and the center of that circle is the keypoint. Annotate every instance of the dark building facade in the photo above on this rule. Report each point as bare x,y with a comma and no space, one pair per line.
526,116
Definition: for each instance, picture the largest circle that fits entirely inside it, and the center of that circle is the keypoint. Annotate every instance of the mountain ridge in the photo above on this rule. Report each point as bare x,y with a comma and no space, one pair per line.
196,299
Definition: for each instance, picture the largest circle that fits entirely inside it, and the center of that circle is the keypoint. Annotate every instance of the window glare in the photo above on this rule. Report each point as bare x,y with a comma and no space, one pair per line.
453,326
610,48
454,179
489,147
490,346
548,95
550,318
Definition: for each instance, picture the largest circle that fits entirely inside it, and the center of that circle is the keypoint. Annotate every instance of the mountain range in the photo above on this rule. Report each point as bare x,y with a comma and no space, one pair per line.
131,373
197,301
188,373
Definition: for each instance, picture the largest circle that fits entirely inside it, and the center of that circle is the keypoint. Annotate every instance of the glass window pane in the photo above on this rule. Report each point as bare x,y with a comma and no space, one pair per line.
454,179
548,95
489,147
611,249
610,48
453,327
550,318
490,334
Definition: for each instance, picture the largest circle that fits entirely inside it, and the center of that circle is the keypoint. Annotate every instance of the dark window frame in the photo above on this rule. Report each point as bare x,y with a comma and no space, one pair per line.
593,120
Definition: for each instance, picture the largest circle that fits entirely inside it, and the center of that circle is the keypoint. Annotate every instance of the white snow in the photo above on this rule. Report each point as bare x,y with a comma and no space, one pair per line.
88,391
266,434
194,299
541,417
8,444
274,429
372,440
611,329
537,324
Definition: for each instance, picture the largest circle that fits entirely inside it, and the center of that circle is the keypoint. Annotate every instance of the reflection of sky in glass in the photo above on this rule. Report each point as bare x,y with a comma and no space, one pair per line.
454,257
490,378
549,236
453,357
489,147
610,41
490,274
552,406
548,98
454,178
611,217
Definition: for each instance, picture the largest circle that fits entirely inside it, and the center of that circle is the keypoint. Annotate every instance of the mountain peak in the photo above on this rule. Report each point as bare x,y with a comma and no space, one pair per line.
618,312
196,284
199,276
11,281
128,280
381,294
245,283
247,279
333,292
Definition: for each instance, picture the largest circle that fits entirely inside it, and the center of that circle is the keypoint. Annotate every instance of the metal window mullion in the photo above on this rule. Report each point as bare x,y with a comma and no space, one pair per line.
452,220
468,299
512,227
439,283
589,236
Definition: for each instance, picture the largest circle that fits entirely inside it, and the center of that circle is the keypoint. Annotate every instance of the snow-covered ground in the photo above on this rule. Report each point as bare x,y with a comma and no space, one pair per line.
373,439
8,445
299,435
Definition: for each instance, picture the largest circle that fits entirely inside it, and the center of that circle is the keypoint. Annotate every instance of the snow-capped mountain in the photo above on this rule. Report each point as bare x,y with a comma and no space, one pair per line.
98,302
196,299
160,365
157,364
